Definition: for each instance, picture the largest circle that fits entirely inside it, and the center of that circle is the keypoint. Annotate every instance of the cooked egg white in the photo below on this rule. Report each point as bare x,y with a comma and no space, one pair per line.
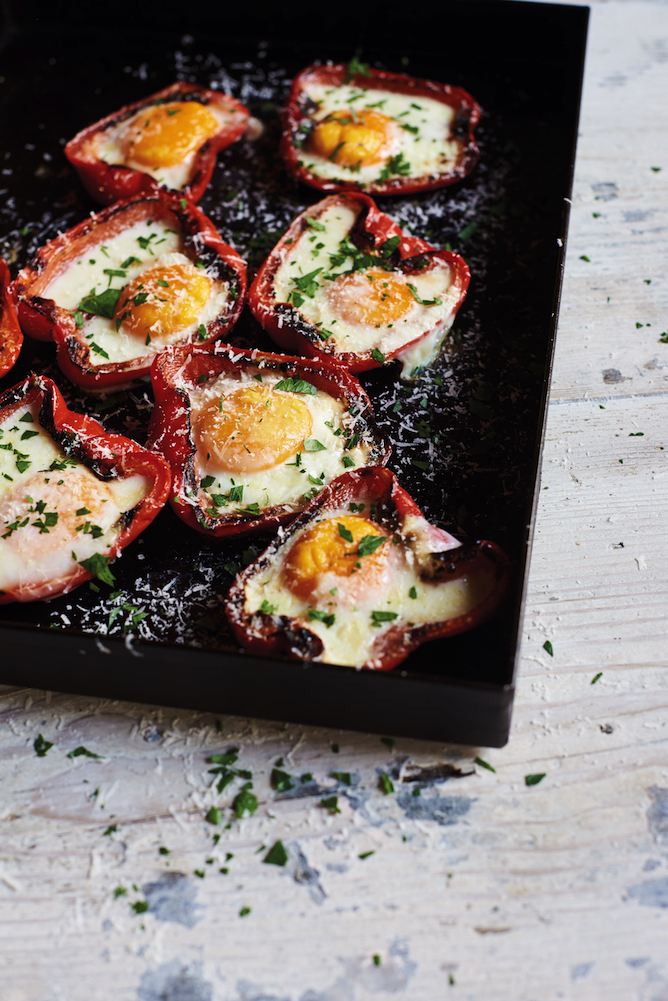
177,130
357,599
54,512
371,308
145,248
365,136
252,442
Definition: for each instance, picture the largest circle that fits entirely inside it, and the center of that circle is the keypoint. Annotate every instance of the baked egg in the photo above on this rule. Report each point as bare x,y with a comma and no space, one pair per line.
345,283
55,512
266,433
118,288
170,139
361,578
377,131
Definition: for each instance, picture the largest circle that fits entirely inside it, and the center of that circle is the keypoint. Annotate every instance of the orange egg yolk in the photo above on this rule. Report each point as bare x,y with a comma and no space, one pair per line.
38,501
164,135
326,549
163,300
252,428
373,297
353,139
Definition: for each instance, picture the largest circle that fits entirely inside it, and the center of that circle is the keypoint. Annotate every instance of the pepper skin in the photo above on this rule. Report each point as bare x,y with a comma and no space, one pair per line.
11,337
438,559
108,456
298,121
107,183
41,318
176,372
286,325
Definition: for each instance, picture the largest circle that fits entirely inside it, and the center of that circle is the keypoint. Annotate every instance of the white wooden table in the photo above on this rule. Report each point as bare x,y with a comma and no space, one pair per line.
482,888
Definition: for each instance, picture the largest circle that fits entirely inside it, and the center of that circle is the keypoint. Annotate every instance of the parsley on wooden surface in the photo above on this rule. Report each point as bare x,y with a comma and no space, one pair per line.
277,855
548,647
534,779
41,745
484,764
386,784
330,803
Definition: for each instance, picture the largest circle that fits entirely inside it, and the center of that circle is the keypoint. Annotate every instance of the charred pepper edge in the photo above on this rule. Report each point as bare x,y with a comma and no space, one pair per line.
280,635
467,116
107,183
107,455
11,335
170,433
42,319
286,325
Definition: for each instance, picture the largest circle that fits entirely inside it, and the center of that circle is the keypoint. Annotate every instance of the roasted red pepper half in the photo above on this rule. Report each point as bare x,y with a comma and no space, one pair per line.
252,437
346,284
114,290
72,496
361,578
11,337
383,133
169,140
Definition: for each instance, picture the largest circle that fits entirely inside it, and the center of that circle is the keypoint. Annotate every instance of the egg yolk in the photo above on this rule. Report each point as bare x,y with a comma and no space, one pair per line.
52,511
164,135
252,428
353,139
326,549
373,297
163,300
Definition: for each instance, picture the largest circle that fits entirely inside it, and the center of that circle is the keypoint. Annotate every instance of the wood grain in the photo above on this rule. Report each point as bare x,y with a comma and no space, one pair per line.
481,887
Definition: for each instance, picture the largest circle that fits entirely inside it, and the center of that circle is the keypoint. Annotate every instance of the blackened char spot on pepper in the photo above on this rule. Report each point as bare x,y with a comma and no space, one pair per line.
72,445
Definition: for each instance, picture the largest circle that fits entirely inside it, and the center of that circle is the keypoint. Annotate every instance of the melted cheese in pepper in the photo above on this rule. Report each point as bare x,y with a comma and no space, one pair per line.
163,140
349,600
163,298
258,445
365,309
54,512
366,136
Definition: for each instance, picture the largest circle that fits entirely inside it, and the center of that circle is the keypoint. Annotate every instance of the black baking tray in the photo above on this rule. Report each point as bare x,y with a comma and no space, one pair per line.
480,430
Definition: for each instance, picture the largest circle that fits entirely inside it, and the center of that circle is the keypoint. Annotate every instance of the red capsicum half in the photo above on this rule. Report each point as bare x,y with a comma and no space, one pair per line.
252,437
361,578
72,496
11,337
345,283
113,291
169,140
384,133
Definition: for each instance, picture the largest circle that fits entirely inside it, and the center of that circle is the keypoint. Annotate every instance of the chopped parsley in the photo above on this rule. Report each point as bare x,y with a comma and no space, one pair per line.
245,802
291,385
534,779
330,803
345,533
485,764
281,781
267,608
548,647
378,617
98,566
78,751
344,777
277,855
368,545
385,783
378,356
41,745
101,305
214,816
314,224
315,614
423,302
395,165
313,445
